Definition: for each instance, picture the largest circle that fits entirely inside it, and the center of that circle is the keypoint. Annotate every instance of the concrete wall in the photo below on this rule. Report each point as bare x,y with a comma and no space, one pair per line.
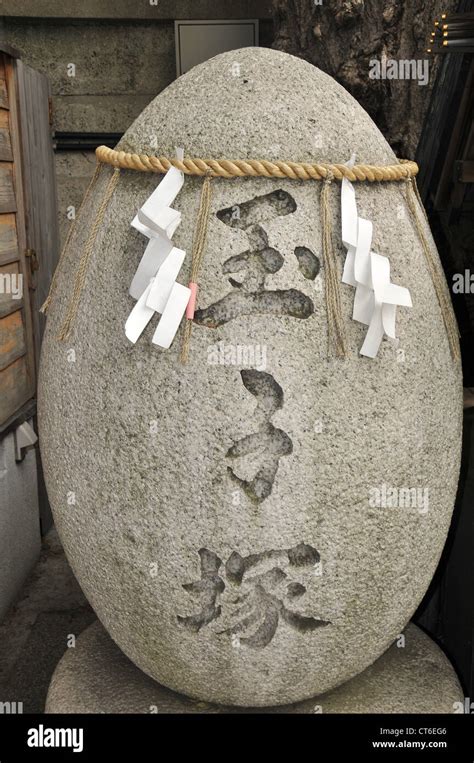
117,69
106,59
102,74
19,520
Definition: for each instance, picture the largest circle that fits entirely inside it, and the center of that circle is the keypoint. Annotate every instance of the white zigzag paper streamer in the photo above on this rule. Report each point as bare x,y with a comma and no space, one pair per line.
376,298
154,283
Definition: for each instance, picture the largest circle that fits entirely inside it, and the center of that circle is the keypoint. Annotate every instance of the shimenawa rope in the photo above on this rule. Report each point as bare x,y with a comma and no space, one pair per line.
404,170
257,167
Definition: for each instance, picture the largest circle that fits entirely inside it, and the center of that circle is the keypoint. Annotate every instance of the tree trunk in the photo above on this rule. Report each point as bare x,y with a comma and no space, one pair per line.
344,37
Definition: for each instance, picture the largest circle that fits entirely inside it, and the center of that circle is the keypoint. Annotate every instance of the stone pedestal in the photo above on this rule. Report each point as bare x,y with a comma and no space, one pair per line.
96,677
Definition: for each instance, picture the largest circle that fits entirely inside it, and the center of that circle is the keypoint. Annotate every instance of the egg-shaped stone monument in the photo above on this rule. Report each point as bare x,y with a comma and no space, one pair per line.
256,526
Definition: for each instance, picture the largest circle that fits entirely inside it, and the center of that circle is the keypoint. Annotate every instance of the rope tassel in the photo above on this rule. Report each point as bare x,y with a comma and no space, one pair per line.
199,245
81,274
47,303
437,275
332,278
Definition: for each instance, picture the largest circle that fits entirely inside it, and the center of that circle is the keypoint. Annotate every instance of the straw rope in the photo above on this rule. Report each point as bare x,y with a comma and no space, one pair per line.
85,257
72,229
332,277
257,168
405,170
437,275
199,245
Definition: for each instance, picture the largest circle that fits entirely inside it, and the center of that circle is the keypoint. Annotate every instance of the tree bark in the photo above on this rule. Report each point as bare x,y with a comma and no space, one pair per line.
342,37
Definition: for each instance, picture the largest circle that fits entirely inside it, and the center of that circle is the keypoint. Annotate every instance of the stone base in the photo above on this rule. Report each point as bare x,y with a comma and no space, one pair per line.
96,677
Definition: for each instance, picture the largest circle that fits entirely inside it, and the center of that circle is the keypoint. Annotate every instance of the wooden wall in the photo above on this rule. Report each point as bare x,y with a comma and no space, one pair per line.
17,358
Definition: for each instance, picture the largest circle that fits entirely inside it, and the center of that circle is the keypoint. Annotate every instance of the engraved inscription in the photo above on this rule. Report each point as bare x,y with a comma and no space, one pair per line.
268,442
258,600
248,271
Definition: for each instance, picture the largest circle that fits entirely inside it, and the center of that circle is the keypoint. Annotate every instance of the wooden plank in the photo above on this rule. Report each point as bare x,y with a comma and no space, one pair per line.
8,239
12,338
27,411
5,119
460,120
439,110
5,146
465,171
15,122
42,232
27,384
6,154
11,288
3,94
15,384
7,189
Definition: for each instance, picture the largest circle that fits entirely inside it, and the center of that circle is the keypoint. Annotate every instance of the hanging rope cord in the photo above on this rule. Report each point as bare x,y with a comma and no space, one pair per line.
336,333
404,170
72,230
81,274
436,273
199,246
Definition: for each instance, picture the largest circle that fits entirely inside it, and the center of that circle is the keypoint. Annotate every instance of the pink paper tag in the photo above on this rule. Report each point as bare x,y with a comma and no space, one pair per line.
192,301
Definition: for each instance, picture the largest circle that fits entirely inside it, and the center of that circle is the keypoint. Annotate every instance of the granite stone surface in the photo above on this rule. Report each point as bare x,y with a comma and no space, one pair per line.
413,676
231,521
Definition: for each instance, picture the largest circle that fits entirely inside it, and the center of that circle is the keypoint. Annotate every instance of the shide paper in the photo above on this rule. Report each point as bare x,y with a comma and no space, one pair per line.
376,298
154,284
